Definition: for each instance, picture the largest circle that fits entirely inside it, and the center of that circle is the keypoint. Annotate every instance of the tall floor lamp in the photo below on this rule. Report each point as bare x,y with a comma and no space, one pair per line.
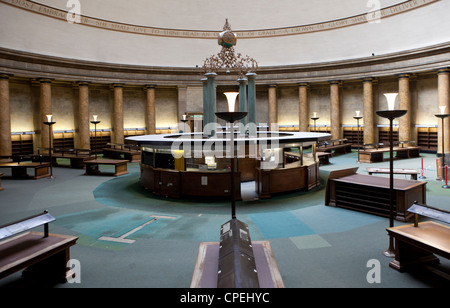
50,123
442,116
95,122
357,118
235,271
391,114
315,118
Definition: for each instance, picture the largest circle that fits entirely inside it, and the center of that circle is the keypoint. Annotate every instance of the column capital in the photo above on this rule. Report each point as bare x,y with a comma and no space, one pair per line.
333,82
242,80
406,75
303,84
445,70
368,79
251,75
210,75
82,83
149,86
117,85
5,76
45,80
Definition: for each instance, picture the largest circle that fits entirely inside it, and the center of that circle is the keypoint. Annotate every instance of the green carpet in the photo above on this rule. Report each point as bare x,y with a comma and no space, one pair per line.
314,245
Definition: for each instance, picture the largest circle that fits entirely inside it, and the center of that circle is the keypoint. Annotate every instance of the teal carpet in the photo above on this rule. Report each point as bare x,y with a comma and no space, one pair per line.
130,238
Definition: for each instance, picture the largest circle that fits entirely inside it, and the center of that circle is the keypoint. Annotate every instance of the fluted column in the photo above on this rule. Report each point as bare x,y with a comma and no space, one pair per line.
118,136
444,100
5,118
243,98
83,116
45,108
251,102
368,112
404,99
209,115
150,110
273,112
303,108
335,115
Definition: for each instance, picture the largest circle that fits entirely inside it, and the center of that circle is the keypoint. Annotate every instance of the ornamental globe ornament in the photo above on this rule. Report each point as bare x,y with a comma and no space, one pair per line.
227,59
227,39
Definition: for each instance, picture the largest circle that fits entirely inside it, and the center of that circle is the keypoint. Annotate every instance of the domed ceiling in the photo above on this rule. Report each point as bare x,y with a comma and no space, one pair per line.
180,33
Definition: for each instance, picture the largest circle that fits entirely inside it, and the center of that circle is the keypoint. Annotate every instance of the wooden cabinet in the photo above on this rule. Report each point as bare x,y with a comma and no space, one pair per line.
272,181
371,194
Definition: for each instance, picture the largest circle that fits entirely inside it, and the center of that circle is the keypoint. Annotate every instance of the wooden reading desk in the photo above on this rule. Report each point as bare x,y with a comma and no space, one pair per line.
19,170
412,172
371,194
417,244
41,254
93,166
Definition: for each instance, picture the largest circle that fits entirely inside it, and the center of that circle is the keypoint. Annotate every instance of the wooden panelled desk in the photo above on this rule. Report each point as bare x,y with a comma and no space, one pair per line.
368,193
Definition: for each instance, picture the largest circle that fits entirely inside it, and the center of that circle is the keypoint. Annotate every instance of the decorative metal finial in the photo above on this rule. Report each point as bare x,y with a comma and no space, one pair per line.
227,59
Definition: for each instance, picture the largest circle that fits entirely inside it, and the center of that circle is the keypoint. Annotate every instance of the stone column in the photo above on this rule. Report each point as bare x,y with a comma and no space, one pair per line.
209,115
251,103
404,99
182,106
150,110
303,116
444,100
45,108
273,112
368,111
5,118
243,99
83,116
118,134
335,116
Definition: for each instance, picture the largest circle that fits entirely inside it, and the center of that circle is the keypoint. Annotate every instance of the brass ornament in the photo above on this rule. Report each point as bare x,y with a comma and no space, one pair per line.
227,59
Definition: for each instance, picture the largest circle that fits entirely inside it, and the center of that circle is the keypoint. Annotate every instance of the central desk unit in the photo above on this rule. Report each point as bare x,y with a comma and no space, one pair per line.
370,194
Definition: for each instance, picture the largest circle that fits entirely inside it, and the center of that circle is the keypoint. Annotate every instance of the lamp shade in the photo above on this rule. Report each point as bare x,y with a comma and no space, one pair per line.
231,98
391,97
442,108
95,117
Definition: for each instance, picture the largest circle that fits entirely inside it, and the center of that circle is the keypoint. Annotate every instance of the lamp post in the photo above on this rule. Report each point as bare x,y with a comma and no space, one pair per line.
315,118
237,267
391,114
50,123
231,116
95,122
184,120
442,116
357,118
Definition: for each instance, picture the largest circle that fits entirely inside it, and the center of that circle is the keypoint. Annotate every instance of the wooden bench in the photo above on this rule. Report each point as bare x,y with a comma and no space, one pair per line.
417,244
324,157
19,169
374,152
77,157
412,172
337,146
93,166
41,254
130,152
